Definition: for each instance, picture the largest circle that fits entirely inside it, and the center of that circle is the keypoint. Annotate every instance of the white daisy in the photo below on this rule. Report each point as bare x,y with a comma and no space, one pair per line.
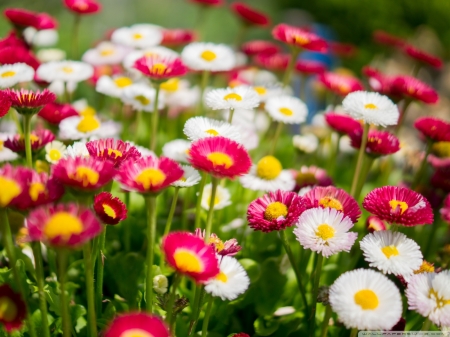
325,231
366,300
429,295
391,252
208,56
249,119
286,109
179,95
60,87
5,153
258,77
113,86
266,91
54,151
190,177
307,143
371,107
138,36
231,281
66,71
177,149
141,97
84,127
105,53
77,149
12,74
222,198
268,175
41,38
197,128
50,54
160,51
250,135
241,97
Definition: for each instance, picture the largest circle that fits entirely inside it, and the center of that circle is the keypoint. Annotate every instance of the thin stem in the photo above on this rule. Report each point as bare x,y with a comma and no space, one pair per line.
62,266
92,321
326,321
209,218
207,316
367,165
290,68
15,117
294,265
150,204
230,116
203,84
27,132
155,116
423,165
100,269
198,205
76,26
170,317
354,332
186,199
401,119
171,211
36,246
126,225
198,304
139,125
362,150
333,156
275,138
434,228
317,272
426,325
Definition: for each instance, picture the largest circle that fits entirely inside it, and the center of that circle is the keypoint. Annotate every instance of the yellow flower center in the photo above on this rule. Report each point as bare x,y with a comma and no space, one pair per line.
442,149
158,68
88,111
286,111
8,73
170,85
123,82
85,175
116,153
440,300
136,333
220,159
208,55
307,178
8,309
331,203
395,204
370,106
188,262
222,277
88,124
426,267
389,251
67,69
107,52
109,211
62,224
35,190
10,189
150,177
260,90
212,132
34,139
325,232
218,244
274,210
268,168
1,144
137,36
366,299
142,99
216,200
234,96
300,39
42,166
54,154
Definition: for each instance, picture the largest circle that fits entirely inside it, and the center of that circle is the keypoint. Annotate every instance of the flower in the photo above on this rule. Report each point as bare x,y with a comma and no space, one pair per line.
445,210
139,36
307,143
412,88
28,102
38,140
339,84
55,112
256,47
387,39
342,49
286,109
341,123
311,176
137,324
14,310
231,281
219,156
12,74
325,231
422,56
5,153
241,97
5,103
428,294
80,225
379,143
141,97
113,86
41,38
160,284
77,149
18,54
12,185
208,2
83,6
221,199
268,175
378,82
156,51
361,296
109,209
54,151
274,62
275,211
83,127
148,174
227,248
391,252
371,107
83,173
22,18
399,205
114,150
197,128
333,197
208,57
158,68
298,37
177,149
66,71
374,223
249,15
190,255
190,177
310,67
434,129
176,37
105,53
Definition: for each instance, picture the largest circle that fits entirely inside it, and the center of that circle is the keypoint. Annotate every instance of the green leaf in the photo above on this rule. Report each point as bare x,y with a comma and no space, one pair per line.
76,313
265,327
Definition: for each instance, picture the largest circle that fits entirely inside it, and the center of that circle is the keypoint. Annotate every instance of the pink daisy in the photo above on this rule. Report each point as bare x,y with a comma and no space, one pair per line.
274,62
256,47
412,88
137,324
5,103
445,210
339,84
113,150
310,67
38,139
55,112
387,39
311,176
249,15
438,163
178,37
227,248
109,209
83,7
12,184
377,81
14,310
341,123
379,143
160,68
422,56
299,37
28,102
433,128
374,223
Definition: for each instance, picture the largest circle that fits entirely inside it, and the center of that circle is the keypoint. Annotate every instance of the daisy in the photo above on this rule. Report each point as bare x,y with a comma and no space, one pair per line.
387,39
231,281
137,324
311,176
80,225
197,128
241,97
379,143
310,67
219,156
422,56
50,54
250,16
268,175
274,62
54,151
5,103
190,255
109,209
208,57
39,139
77,149
399,205
159,68
177,149
41,38
222,198
12,184
157,51
445,210
307,143
339,84
28,102
256,47
190,177
65,71
374,223
139,36
378,81
5,153
141,97
84,127
299,38
105,53
341,123
113,86
83,7
412,88
14,310
227,248
429,295
434,129
12,74
286,109
391,252
360,297
178,37
55,112
275,211
113,150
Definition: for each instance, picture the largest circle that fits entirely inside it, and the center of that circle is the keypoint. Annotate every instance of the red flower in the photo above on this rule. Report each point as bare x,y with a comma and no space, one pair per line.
433,128
374,223
83,6
5,103
38,139
45,21
299,37
377,81
114,150
341,123
379,143
274,62
11,40
20,18
410,87
384,38
445,210
137,324
177,37
227,248
249,15
310,67
158,68
340,84
13,308
55,112
208,2
18,54
441,179
342,49
311,176
109,209
255,47
240,334
422,56
28,102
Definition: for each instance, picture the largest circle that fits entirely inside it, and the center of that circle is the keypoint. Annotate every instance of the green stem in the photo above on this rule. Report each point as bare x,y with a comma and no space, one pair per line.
92,321
290,68
171,211
326,321
302,88
198,206
127,225
230,116
367,165
76,26
423,165
434,228
209,218
36,246
203,84
240,36
207,316
333,156
62,266
150,204
170,317
275,138
401,119
155,116
186,199
354,332
426,325
100,269
317,272
294,265
362,150
198,304
27,132
139,125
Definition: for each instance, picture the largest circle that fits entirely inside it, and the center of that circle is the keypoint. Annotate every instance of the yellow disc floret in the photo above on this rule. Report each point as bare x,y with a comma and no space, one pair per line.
275,210
109,211
395,204
136,333
325,232
222,277
286,111
8,73
234,96
64,225
188,262
366,299
88,124
208,55
212,132
10,189
389,251
331,203
36,189
150,177
85,175
123,82
370,106
220,159
268,168
8,309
